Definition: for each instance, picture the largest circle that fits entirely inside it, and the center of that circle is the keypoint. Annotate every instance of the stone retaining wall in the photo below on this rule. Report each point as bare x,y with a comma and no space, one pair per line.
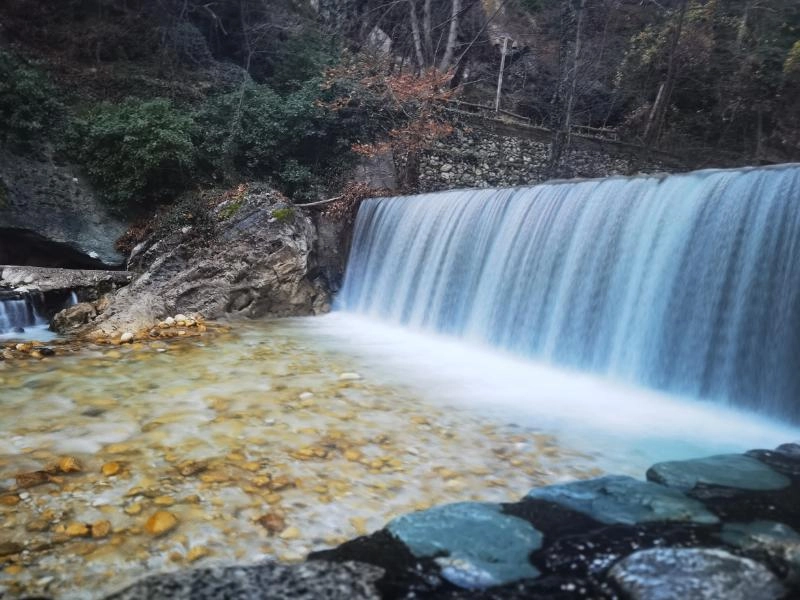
504,156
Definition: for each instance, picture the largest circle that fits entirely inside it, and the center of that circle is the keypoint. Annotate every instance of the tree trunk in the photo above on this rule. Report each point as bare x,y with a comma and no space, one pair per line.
412,10
575,59
427,39
451,36
654,133
561,136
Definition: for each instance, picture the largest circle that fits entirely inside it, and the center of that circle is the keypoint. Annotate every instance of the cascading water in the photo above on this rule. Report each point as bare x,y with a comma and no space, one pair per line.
686,283
18,313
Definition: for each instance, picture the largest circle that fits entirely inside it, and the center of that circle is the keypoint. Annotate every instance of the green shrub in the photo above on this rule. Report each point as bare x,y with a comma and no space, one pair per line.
137,152
301,58
28,104
290,139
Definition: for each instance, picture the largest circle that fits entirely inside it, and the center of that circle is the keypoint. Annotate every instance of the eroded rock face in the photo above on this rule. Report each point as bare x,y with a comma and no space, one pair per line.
259,262
93,282
52,204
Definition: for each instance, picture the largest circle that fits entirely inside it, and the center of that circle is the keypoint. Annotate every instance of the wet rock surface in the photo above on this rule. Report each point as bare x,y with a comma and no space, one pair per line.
616,499
449,534
727,470
260,260
616,537
694,574
268,581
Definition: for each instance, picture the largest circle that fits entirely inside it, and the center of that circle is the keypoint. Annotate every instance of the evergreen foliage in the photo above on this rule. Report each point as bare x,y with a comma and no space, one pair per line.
256,131
28,102
136,152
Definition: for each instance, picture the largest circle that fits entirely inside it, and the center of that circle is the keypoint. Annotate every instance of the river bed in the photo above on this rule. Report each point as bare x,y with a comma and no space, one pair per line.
282,437
258,443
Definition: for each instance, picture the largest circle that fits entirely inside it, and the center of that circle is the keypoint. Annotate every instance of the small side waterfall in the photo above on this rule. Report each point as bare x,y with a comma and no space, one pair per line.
687,283
18,313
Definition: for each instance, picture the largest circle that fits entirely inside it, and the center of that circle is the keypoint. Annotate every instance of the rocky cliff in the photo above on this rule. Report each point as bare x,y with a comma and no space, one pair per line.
50,217
261,258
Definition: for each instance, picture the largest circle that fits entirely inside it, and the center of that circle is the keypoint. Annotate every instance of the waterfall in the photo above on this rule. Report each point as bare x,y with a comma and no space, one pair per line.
19,312
685,283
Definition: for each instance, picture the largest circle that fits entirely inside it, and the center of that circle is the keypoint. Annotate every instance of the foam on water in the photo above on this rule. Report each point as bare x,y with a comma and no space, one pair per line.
629,427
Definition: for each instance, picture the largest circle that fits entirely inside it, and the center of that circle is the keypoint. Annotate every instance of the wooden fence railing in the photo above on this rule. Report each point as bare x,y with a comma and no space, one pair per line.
489,113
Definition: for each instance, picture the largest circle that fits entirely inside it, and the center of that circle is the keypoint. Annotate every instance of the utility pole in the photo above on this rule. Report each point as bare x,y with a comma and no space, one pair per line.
500,74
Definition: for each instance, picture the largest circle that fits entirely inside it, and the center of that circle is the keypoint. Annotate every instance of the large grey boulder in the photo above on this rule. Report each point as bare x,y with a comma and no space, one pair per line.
694,574
475,544
260,261
43,203
728,470
620,499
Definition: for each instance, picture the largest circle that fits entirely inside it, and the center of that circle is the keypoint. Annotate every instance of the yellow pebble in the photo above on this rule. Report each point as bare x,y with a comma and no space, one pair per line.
164,501
262,481
101,529
197,553
359,524
133,509
353,455
161,522
111,468
290,533
77,530
69,464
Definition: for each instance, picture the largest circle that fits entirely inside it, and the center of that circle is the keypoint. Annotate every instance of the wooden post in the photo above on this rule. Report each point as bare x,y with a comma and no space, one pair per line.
500,74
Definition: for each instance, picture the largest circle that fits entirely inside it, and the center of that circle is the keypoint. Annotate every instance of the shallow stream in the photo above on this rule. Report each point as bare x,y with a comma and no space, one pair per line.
282,437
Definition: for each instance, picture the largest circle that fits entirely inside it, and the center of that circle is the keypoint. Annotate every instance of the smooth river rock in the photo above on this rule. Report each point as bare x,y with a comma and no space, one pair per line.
727,470
625,500
776,539
475,544
694,574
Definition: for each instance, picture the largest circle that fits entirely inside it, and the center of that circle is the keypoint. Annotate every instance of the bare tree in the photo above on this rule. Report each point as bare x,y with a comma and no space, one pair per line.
561,136
655,122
